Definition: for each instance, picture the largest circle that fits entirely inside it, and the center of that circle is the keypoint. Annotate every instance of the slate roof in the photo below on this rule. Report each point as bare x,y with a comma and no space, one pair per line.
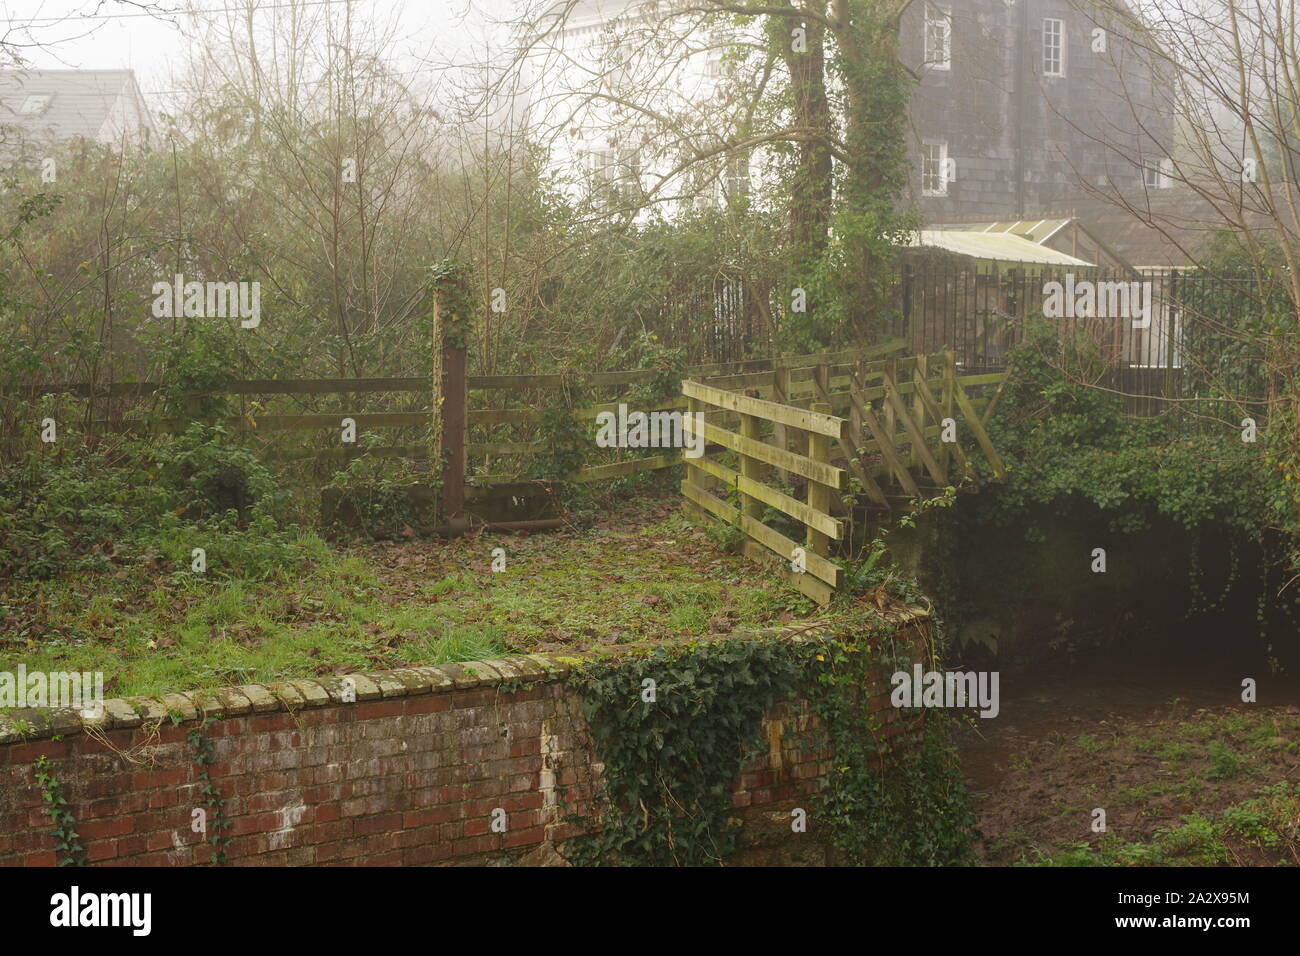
94,104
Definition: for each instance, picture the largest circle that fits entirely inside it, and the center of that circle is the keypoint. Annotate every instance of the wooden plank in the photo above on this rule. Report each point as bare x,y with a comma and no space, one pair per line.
923,390
918,406
549,381
694,409
949,386
263,423
853,453
252,386
981,436
633,466
321,386
452,405
420,384
525,416
517,447
832,527
85,390
818,424
993,402
887,450
797,361
917,435
740,382
991,378
774,541
413,452
809,585
891,424
814,470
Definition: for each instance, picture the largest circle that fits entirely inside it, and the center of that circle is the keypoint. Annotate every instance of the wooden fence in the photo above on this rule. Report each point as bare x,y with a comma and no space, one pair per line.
900,441
495,414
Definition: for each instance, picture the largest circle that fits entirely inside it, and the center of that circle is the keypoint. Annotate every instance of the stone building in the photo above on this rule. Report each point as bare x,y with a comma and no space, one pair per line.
1022,105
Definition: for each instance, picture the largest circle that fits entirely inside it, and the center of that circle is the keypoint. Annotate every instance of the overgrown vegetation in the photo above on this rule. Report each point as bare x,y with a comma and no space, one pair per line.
152,625
1208,787
673,728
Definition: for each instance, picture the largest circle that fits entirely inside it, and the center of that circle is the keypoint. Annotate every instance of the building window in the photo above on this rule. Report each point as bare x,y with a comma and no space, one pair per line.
737,179
1157,177
934,168
615,174
938,38
36,104
1053,47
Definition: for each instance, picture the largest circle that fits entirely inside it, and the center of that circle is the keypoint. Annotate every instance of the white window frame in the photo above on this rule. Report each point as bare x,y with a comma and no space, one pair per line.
614,172
937,33
1159,176
1053,51
939,173
737,177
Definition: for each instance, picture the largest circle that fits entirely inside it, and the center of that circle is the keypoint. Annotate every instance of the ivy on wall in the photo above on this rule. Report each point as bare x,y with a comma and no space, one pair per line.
214,800
67,844
673,748
674,727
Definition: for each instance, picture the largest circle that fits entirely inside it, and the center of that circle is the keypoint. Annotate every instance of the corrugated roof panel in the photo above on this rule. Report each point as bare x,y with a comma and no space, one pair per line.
998,246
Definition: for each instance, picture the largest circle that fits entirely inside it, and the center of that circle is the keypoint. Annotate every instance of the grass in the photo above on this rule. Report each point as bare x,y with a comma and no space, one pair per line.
643,573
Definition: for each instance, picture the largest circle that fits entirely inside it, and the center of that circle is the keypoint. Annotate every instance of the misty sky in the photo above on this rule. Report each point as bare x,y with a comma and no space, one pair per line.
109,34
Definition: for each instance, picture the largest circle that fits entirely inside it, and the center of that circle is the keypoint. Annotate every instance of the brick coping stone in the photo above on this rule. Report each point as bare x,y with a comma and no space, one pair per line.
122,713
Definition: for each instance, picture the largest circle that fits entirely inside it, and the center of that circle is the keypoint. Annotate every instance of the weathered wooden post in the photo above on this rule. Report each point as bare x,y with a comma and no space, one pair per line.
819,495
750,468
451,325
919,373
891,375
780,389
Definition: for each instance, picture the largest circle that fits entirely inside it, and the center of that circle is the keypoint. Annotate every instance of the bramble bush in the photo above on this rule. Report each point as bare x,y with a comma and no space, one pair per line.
71,505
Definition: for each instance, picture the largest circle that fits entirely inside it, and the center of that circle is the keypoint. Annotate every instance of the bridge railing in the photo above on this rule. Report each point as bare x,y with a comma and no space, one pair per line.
788,454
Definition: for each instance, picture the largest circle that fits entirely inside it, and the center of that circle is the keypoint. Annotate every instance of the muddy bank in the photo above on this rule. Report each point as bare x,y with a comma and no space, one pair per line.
1186,772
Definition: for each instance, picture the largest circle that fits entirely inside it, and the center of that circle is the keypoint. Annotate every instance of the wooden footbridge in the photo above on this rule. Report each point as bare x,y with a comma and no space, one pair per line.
794,454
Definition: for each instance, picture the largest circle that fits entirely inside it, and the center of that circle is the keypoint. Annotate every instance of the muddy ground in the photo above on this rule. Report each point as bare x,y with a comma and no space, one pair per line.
1186,772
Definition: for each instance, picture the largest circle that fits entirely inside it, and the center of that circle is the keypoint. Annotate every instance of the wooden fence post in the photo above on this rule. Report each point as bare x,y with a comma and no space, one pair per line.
451,322
891,423
819,496
918,407
750,468
780,437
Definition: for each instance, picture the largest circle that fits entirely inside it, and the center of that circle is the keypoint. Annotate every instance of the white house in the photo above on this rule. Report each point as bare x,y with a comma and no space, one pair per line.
39,108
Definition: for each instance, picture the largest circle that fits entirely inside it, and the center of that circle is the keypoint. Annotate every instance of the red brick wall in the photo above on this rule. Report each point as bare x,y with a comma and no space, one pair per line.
410,773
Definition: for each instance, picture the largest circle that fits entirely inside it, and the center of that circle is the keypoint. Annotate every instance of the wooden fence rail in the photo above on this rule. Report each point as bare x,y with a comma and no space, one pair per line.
253,420
898,441
491,431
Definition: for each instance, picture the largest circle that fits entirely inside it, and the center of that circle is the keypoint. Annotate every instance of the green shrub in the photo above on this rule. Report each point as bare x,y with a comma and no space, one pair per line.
211,474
